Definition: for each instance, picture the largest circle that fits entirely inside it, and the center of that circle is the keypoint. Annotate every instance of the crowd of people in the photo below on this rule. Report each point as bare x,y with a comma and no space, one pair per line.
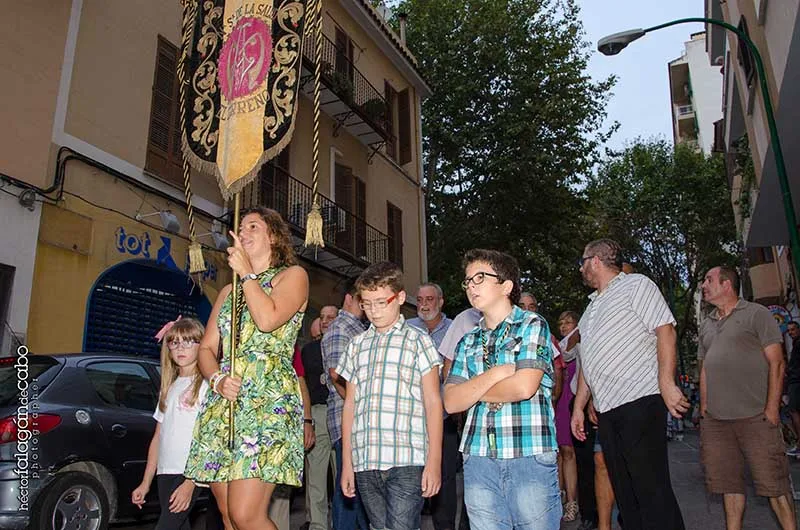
546,429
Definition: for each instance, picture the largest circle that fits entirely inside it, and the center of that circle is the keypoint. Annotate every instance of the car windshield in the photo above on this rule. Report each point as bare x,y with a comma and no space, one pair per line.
42,368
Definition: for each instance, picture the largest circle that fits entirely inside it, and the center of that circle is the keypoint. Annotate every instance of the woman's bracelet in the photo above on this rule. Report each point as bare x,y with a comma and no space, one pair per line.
214,380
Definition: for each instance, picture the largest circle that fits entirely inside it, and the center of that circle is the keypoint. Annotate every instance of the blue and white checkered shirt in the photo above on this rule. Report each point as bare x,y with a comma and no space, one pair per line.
334,343
520,429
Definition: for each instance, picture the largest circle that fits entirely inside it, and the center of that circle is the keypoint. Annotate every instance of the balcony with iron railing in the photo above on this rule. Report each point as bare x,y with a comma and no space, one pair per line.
350,242
347,96
685,111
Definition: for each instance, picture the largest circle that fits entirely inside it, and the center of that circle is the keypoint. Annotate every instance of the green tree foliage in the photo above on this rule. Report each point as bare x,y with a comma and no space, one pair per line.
513,122
670,208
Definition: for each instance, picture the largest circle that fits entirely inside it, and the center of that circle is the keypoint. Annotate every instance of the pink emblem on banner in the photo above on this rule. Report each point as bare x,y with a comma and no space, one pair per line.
245,58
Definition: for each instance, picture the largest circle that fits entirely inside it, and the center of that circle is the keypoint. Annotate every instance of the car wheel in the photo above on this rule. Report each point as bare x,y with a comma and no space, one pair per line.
73,500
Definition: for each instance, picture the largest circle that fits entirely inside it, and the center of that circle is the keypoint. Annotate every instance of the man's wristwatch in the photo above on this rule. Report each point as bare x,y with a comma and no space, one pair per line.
251,276
310,421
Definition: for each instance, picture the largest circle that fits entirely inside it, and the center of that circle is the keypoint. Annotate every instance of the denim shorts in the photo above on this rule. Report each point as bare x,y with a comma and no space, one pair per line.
392,498
514,493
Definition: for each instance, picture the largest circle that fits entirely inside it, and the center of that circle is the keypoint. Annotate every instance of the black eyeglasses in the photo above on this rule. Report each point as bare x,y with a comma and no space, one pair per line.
478,278
583,259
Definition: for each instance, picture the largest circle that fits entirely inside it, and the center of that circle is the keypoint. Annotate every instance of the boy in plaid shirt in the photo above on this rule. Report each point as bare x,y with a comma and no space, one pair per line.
392,416
502,374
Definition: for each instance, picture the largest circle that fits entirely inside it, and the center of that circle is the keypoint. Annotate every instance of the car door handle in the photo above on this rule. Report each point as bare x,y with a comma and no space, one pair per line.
119,430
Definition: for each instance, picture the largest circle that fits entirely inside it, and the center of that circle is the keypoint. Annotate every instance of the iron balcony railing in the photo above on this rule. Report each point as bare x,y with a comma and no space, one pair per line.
277,189
345,80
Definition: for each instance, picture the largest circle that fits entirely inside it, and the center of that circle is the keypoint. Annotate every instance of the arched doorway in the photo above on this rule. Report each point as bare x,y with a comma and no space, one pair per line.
130,302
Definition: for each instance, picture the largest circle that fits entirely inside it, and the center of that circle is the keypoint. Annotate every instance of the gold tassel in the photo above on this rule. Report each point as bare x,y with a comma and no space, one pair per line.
196,261
314,227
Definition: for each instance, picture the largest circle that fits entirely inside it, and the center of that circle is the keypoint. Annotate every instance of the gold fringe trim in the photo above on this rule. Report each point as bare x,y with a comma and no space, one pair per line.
314,227
196,261
211,168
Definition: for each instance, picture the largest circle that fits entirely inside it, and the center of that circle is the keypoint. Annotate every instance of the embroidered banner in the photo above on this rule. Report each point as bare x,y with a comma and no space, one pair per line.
244,60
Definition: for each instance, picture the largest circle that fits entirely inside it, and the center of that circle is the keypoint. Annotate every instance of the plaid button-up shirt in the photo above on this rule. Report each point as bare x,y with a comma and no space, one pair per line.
520,429
389,427
334,343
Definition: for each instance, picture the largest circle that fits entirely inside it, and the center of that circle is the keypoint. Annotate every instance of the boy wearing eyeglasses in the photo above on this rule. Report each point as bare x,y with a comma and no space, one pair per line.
392,416
502,375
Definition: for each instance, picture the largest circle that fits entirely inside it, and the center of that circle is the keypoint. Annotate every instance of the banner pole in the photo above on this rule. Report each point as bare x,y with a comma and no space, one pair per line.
234,319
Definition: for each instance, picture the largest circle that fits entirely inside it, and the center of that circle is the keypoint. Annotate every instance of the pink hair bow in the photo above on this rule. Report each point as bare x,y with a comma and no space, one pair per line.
166,328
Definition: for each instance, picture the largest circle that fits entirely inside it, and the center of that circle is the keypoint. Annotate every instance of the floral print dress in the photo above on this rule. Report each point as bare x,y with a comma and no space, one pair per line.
268,413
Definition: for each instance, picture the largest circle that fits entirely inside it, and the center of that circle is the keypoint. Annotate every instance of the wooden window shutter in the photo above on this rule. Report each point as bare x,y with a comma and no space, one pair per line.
344,54
282,160
391,102
404,126
360,198
394,223
351,56
746,60
164,157
344,187
361,215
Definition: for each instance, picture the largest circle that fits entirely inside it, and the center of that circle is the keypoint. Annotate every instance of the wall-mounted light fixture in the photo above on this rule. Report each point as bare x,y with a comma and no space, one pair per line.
168,220
27,199
220,241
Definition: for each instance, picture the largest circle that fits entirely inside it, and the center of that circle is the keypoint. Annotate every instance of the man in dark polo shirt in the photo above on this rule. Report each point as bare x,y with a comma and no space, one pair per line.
740,392
318,458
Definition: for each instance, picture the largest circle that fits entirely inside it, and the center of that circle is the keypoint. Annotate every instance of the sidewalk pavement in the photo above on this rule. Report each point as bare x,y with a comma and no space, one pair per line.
700,510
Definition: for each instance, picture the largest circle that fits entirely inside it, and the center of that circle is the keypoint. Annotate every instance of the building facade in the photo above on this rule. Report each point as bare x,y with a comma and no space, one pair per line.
94,253
744,135
695,94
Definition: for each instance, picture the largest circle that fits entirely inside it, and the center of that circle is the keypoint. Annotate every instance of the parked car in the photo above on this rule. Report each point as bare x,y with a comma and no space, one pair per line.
91,421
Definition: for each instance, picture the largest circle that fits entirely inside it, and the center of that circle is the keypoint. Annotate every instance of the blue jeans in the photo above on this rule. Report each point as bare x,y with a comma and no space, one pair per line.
514,493
348,514
393,497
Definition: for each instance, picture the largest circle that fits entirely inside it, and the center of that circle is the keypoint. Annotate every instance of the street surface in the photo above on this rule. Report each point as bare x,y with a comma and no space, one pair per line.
700,510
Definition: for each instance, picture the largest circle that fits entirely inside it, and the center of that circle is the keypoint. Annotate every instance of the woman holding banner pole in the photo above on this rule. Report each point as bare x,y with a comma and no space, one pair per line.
268,418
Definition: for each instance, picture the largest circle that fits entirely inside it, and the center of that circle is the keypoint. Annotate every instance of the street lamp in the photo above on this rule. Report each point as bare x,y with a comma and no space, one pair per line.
613,44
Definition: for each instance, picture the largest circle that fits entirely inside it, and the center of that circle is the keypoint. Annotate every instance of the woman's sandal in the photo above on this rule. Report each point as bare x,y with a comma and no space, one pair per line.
570,511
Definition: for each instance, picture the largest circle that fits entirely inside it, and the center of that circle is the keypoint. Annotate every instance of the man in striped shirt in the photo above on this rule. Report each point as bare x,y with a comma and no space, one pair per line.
628,356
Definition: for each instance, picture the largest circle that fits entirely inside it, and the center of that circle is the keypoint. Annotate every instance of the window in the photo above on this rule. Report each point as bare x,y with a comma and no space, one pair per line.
391,104
164,157
398,124
760,256
274,188
41,368
122,384
404,126
746,60
344,54
394,229
351,196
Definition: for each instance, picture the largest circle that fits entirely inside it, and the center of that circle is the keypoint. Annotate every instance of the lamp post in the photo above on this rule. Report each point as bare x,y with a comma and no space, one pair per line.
613,44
